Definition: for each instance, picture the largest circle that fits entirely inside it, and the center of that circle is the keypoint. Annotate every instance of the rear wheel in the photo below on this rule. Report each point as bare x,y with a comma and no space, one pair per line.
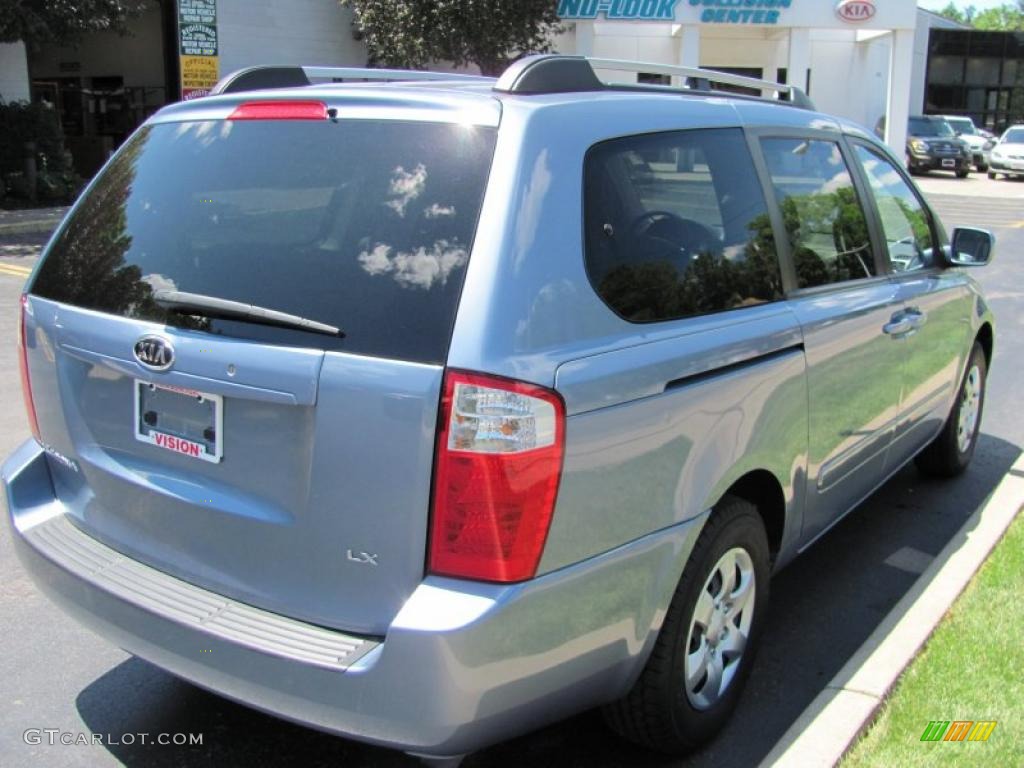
962,174
951,452
705,649
992,174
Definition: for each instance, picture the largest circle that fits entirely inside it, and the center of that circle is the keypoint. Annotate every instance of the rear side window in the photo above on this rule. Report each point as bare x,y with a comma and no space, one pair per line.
824,219
676,225
361,224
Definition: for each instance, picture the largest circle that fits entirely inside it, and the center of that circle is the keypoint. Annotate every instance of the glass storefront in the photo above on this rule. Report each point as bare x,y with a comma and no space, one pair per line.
978,74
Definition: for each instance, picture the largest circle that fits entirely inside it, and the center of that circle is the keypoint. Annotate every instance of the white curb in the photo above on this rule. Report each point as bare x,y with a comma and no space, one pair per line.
847,705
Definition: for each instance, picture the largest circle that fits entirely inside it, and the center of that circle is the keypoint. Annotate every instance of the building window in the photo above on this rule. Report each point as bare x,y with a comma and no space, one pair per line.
976,73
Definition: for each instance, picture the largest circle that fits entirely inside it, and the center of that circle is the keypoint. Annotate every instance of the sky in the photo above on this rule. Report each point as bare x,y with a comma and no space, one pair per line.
981,5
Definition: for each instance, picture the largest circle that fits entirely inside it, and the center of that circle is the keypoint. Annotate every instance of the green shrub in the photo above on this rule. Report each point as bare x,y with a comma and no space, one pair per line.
20,123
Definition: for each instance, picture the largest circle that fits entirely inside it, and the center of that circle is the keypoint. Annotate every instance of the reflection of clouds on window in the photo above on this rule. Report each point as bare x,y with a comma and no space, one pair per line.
882,177
840,181
735,252
405,187
206,131
437,211
159,283
421,268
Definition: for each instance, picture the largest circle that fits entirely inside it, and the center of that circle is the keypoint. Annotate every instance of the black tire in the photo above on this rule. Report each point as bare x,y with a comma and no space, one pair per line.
992,175
944,456
962,174
982,167
657,713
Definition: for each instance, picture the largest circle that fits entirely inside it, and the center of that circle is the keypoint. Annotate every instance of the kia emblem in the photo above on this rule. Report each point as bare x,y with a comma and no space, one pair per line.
154,352
856,10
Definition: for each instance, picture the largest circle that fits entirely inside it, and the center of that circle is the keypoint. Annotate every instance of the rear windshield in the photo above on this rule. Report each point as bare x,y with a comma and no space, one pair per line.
365,225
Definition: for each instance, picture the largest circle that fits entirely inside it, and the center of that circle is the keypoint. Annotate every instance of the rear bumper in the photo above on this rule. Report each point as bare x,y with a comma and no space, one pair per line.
463,664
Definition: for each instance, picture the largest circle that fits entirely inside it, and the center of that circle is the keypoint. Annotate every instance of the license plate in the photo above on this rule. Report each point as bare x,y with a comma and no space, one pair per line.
179,420
947,163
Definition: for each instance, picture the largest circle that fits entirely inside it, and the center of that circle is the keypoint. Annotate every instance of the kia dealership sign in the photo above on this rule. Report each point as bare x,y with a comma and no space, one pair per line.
855,10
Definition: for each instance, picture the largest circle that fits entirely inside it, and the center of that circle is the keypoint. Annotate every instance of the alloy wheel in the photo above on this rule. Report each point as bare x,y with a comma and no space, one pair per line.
719,628
970,403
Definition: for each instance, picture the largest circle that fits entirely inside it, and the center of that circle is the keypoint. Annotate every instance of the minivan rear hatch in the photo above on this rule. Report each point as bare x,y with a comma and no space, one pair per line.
284,465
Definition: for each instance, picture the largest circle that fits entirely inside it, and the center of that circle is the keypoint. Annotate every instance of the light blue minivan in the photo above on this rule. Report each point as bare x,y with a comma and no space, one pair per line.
428,409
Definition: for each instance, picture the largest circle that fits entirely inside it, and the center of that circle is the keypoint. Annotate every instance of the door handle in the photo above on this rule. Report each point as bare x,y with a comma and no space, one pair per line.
916,317
898,325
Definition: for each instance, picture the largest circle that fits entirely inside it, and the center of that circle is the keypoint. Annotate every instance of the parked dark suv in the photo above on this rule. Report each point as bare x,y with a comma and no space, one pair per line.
932,145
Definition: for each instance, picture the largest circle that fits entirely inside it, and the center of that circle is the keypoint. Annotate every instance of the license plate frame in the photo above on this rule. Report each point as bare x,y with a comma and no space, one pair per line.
948,162
185,422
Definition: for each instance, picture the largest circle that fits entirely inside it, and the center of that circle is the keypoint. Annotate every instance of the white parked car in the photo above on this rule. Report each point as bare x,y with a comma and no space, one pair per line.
1007,157
976,141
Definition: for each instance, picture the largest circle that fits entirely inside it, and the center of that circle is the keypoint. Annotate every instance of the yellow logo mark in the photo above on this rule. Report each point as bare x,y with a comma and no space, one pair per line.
982,730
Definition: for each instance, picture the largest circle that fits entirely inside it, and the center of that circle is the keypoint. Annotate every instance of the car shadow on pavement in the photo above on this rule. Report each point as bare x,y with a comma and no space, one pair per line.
824,606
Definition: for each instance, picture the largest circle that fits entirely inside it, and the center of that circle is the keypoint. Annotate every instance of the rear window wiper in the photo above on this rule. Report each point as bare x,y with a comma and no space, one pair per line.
211,306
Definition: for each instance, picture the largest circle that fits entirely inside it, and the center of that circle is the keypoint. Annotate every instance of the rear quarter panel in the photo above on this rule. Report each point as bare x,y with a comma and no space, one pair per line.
639,457
688,417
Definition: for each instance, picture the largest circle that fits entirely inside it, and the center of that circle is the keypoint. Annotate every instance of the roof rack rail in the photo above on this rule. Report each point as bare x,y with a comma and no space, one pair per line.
552,73
268,76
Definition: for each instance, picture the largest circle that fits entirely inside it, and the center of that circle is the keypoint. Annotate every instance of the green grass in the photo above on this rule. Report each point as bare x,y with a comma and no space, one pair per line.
971,669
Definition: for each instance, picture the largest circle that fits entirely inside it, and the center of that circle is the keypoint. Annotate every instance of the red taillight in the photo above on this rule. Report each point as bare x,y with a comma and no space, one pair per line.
26,385
280,110
499,462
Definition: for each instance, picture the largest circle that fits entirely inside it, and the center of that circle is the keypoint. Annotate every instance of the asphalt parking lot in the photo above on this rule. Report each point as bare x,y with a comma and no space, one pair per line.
58,675
976,185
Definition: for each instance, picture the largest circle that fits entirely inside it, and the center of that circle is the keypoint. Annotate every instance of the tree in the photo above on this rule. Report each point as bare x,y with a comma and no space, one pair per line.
62,21
954,13
488,33
1003,18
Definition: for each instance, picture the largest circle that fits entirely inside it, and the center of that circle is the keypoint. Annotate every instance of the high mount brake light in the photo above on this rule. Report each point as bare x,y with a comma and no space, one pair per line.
280,110
499,463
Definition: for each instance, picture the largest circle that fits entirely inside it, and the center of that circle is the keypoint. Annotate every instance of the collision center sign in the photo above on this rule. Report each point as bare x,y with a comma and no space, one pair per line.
710,11
631,10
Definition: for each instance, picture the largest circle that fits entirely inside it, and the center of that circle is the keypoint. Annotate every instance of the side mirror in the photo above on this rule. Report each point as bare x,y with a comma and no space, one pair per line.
970,247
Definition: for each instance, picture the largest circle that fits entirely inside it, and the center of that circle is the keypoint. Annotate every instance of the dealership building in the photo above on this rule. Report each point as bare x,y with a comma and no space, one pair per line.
861,59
